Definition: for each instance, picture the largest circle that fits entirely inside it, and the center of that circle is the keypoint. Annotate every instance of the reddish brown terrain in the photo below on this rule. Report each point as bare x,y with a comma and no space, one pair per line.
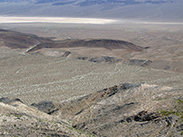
89,43
16,40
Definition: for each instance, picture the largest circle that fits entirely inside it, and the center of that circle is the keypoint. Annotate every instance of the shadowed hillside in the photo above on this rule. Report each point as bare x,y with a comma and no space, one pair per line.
15,40
18,119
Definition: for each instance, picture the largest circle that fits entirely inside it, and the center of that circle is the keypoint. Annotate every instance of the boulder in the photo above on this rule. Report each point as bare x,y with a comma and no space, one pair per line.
45,106
7,100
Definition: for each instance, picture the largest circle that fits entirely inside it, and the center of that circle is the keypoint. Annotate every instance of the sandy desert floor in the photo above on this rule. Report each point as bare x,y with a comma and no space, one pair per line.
33,78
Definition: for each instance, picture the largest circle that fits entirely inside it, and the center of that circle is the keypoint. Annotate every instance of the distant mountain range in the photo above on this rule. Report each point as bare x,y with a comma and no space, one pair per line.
154,10
91,2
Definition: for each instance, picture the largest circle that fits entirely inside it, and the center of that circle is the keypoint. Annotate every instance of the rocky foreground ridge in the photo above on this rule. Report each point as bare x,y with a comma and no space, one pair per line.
18,119
122,110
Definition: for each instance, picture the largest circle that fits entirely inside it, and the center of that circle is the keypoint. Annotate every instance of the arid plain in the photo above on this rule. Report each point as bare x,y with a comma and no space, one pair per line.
47,76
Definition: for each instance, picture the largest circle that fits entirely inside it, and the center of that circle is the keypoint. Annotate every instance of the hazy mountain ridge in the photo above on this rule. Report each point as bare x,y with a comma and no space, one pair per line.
123,2
13,1
91,2
153,10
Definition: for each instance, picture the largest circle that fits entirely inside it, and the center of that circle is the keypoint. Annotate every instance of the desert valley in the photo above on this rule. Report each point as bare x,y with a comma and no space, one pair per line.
90,76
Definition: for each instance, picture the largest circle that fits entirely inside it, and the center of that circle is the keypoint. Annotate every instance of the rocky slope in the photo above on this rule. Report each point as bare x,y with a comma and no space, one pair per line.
122,110
127,110
18,119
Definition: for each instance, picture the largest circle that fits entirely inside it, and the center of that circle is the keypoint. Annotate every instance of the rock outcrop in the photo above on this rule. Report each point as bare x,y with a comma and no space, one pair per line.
18,119
126,110
45,106
139,62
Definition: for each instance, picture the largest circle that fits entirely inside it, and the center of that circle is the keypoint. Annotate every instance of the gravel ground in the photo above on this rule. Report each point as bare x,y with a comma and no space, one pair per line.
34,78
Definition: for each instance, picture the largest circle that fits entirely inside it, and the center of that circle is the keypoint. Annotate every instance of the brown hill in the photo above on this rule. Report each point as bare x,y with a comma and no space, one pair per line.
15,40
92,43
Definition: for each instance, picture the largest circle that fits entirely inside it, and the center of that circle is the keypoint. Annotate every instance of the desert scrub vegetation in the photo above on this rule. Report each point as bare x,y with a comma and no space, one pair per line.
177,112
174,117
80,132
39,75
